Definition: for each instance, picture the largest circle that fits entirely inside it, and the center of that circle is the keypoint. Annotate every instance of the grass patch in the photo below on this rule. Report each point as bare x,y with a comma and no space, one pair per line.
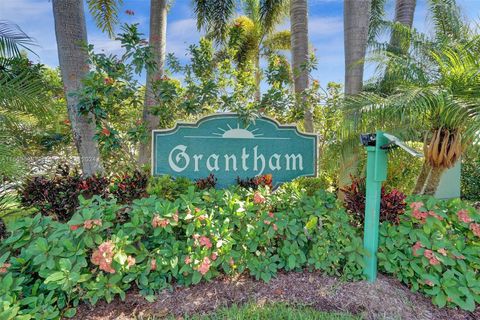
12,209
275,311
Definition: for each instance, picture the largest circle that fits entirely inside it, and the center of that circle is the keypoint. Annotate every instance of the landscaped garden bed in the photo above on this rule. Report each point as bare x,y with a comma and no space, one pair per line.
219,247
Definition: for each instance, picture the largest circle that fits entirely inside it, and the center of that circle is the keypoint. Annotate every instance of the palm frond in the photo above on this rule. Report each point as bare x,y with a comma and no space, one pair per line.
377,23
214,16
278,41
22,93
272,12
105,14
12,39
447,20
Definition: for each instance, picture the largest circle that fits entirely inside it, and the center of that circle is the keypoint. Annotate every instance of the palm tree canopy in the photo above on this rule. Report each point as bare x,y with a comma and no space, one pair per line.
215,16
13,39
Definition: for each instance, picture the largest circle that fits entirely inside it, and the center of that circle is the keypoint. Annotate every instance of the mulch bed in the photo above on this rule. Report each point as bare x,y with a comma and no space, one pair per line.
385,299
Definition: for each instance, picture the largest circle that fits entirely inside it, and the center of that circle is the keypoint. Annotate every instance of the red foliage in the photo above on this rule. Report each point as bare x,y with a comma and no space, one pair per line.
207,183
391,207
255,182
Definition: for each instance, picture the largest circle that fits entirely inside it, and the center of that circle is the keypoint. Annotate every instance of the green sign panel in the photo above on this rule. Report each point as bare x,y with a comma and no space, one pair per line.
221,144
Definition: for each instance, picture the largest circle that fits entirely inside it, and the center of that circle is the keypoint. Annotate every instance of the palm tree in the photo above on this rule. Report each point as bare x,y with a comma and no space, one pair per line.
299,44
71,33
252,36
158,40
404,12
249,34
356,17
105,14
440,99
21,96
356,22
21,93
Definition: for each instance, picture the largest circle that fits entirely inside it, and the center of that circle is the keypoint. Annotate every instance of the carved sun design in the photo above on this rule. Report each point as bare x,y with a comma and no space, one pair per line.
237,133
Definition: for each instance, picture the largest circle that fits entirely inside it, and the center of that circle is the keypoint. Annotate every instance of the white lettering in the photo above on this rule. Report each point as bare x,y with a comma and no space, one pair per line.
227,162
245,155
178,158
277,165
256,158
293,158
197,157
215,166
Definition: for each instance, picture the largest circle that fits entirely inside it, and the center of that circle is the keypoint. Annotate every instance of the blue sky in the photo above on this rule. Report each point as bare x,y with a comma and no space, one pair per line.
325,29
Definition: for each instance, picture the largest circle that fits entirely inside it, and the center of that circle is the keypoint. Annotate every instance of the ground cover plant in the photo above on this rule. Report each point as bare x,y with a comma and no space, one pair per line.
49,267
434,249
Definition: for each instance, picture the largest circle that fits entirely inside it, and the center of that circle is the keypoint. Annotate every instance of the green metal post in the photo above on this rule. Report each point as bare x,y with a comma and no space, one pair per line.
376,174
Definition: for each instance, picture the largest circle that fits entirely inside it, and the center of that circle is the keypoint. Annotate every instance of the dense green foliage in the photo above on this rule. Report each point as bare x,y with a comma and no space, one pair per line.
48,267
471,175
434,249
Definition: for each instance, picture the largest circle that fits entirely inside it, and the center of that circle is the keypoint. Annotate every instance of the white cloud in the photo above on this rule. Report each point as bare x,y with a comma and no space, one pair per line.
24,10
181,34
324,26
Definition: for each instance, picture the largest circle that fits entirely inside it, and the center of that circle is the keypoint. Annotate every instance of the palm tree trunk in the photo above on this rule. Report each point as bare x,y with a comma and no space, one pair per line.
433,181
299,44
258,77
158,42
71,33
356,17
422,178
356,20
404,12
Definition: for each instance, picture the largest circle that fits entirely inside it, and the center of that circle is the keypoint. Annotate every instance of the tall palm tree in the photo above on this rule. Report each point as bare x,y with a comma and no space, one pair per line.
257,27
356,22
158,41
299,44
404,12
356,17
71,33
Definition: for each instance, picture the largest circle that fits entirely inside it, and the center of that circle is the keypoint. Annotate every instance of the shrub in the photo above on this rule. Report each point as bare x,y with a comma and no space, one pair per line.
310,184
128,187
392,204
167,187
256,182
434,249
58,195
198,236
206,183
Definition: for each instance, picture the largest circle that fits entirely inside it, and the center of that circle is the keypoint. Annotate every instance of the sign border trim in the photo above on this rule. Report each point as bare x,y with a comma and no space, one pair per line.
232,114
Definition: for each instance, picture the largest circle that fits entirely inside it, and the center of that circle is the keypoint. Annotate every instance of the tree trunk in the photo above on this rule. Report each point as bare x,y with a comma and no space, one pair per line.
71,32
422,178
299,44
158,42
258,77
356,18
433,181
404,12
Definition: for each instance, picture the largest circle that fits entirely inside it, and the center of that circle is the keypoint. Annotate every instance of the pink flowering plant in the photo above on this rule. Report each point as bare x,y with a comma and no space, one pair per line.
106,248
435,249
